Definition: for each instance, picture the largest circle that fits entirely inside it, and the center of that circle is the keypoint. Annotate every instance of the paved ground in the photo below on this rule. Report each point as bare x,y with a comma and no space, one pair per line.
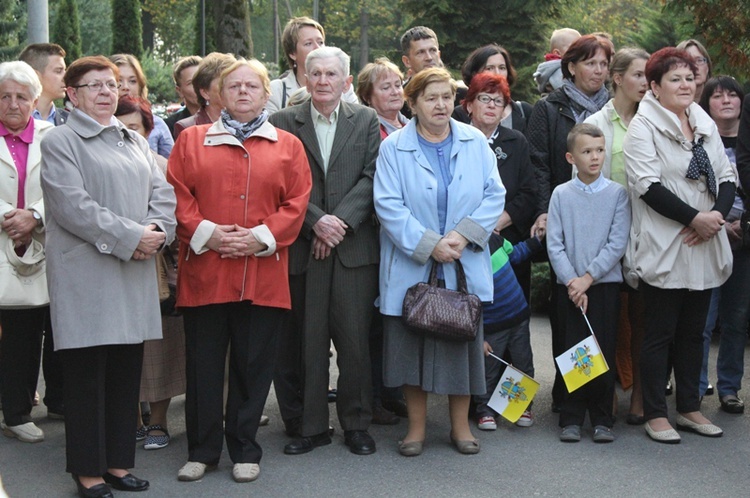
514,461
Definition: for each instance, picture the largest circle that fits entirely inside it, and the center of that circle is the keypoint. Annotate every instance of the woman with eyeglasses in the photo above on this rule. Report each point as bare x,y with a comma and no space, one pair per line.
109,210
494,59
703,65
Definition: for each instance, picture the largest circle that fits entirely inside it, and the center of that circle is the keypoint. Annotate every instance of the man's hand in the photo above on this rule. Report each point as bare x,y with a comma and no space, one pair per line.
330,230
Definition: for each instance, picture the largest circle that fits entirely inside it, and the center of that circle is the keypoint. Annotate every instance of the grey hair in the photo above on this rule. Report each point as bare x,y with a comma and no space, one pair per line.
326,53
23,74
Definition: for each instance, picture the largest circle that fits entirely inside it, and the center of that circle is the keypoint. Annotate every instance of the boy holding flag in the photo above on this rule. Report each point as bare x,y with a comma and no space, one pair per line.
587,233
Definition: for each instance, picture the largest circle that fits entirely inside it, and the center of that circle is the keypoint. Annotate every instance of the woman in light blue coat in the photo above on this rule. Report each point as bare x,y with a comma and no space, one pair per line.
438,196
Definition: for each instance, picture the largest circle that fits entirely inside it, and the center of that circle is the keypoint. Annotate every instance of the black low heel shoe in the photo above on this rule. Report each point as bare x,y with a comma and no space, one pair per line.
98,491
128,482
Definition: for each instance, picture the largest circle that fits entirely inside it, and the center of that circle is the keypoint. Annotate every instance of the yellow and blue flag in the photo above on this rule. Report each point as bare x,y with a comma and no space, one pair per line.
581,363
513,394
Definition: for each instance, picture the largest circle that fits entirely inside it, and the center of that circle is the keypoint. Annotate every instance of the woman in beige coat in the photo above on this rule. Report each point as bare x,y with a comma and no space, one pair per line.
23,287
681,186
110,210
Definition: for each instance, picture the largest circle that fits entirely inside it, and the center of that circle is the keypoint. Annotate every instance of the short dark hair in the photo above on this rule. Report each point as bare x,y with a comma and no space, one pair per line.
476,61
82,66
582,129
721,83
664,60
37,55
583,48
128,105
414,34
487,83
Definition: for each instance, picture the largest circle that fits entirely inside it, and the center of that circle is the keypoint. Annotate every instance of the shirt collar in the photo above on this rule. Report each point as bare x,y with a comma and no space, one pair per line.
50,119
592,187
316,115
26,136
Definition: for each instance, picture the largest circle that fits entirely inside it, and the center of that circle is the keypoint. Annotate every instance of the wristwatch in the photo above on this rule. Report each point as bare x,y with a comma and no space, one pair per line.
37,217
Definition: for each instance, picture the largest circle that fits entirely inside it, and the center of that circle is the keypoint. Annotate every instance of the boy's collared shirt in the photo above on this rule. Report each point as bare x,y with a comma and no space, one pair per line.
596,186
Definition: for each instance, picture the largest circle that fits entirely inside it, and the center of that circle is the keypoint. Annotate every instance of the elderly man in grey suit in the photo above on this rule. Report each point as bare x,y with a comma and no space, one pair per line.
333,263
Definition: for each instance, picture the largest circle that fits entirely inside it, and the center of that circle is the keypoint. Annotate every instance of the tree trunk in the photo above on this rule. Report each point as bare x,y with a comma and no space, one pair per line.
148,30
233,27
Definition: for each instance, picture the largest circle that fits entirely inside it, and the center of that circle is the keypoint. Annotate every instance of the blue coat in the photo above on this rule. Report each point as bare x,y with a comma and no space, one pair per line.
405,194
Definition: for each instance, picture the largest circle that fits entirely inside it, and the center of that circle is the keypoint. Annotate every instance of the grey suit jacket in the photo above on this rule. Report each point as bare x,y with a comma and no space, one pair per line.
346,190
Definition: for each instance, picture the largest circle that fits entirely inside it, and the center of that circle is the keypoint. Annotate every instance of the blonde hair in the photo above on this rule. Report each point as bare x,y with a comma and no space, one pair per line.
255,66
371,73
561,36
129,60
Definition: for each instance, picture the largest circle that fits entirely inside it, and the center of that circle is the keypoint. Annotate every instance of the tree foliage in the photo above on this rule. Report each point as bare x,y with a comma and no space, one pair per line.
172,20
12,28
724,26
517,25
126,27
66,30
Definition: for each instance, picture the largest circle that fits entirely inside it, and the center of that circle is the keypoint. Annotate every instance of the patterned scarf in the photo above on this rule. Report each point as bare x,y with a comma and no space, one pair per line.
583,105
242,130
701,165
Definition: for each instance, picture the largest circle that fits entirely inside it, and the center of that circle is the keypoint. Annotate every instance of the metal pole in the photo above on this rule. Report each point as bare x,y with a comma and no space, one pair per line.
315,9
38,21
203,28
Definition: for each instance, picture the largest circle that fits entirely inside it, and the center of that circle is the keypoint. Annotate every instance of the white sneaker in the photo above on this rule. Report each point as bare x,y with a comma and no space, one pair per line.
487,424
28,432
245,472
526,420
192,471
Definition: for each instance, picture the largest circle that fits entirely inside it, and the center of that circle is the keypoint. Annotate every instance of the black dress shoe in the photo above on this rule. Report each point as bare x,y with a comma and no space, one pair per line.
128,482
381,416
633,419
396,406
709,390
307,444
333,395
359,442
98,491
732,404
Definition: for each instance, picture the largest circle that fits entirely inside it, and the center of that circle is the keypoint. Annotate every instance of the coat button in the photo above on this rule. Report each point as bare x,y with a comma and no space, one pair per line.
244,155
120,144
103,247
242,197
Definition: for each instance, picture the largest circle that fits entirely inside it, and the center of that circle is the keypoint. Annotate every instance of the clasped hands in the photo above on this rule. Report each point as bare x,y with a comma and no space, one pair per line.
18,224
704,226
329,232
450,247
234,241
151,242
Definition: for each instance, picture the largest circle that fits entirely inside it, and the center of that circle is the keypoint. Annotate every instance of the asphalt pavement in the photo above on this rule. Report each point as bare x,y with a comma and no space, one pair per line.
514,461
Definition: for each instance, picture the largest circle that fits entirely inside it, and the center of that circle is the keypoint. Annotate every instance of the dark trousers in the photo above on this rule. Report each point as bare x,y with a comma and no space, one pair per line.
101,403
559,390
597,396
338,306
679,316
288,374
53,372
20,353
251,333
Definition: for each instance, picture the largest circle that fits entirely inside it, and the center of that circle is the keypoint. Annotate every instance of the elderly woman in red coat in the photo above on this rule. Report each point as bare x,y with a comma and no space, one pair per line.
242,189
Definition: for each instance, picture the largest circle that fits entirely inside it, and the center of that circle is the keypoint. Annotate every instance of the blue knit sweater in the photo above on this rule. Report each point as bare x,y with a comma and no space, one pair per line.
509,307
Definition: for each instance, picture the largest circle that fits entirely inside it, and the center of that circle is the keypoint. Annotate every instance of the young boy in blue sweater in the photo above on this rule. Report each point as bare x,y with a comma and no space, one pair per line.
506,325
588,226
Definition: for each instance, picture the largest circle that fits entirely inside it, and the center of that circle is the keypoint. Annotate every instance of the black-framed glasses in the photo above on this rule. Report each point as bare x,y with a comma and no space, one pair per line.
486,99
96,86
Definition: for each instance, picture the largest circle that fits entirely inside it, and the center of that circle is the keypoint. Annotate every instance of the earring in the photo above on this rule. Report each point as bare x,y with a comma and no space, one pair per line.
656,96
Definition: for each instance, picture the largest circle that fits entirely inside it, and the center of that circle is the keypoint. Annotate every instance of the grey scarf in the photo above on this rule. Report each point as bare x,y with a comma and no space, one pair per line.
584,106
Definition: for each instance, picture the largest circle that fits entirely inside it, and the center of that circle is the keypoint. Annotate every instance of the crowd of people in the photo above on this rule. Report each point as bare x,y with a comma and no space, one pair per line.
231,245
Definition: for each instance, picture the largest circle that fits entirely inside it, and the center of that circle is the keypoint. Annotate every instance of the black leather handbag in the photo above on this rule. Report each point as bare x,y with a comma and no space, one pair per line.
443,313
